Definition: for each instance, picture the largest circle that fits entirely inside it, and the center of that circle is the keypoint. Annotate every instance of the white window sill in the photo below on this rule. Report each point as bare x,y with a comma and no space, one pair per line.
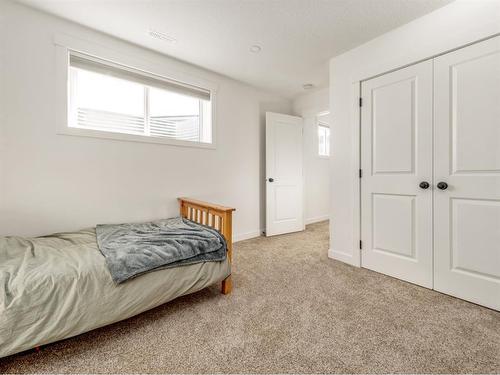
324,156
132,138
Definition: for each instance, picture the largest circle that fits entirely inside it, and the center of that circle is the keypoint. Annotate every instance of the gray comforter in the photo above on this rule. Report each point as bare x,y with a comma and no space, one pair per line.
133,249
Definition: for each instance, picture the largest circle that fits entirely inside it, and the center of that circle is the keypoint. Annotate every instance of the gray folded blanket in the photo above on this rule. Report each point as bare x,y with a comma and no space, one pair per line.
133,249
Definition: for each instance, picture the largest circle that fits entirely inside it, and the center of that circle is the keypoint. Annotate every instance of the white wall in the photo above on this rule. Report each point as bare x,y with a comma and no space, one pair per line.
52,182
316,169
457,24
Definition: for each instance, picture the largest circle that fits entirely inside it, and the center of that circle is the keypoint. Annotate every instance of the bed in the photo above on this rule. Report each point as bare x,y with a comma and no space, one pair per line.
60,287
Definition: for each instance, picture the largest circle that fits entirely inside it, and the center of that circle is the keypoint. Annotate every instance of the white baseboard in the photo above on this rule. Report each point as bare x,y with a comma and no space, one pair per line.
342,256
247,236
254,234
317,219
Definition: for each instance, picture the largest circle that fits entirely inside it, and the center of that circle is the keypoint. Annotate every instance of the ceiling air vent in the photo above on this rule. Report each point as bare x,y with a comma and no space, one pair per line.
162,36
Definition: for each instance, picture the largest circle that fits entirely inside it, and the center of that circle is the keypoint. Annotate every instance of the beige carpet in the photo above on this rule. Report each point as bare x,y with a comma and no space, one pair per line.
292,310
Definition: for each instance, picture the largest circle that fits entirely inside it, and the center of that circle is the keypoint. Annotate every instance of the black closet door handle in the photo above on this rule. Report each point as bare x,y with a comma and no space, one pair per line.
442,185
424,185
270,179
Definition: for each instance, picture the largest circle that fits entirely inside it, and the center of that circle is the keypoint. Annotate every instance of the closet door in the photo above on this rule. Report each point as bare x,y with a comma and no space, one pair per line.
467,173
396,188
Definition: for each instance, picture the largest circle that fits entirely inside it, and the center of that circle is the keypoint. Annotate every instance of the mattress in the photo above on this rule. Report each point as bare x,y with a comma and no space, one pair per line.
58,286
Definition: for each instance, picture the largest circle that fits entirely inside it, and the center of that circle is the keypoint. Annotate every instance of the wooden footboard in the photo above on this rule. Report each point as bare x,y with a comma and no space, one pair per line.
215,216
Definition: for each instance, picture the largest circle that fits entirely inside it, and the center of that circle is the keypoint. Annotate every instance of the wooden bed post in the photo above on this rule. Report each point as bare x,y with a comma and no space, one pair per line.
215,216
227,232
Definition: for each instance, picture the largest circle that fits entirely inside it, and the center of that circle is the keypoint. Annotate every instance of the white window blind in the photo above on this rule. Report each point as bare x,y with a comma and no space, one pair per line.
108,97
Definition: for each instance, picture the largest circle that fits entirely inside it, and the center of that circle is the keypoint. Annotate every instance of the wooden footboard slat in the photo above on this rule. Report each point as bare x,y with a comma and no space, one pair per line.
215,216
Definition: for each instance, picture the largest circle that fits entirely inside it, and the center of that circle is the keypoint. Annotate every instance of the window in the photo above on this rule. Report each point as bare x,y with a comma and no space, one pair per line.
111,98
323,140
323,135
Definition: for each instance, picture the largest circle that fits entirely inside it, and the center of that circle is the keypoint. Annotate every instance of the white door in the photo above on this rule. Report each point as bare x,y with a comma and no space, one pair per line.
396,162
467,159
284,177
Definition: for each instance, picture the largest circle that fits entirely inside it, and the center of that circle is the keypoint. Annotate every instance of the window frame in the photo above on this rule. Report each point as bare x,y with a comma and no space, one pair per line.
66,45
319,124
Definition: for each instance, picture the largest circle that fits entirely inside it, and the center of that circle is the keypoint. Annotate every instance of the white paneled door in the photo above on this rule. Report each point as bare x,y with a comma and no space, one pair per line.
430,189
284,176
467,173
396,162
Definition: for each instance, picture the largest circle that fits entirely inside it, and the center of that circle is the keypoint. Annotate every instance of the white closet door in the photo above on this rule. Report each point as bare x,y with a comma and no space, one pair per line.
467,159
396,157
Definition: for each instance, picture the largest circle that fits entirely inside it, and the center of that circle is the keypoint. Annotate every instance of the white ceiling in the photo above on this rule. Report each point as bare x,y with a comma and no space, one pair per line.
297,37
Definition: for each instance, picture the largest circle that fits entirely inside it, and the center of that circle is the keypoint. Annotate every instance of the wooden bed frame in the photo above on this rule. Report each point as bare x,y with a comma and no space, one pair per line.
214,216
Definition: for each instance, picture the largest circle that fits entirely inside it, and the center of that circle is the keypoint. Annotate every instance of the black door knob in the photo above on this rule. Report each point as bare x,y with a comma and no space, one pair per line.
271,179
442,185
424,185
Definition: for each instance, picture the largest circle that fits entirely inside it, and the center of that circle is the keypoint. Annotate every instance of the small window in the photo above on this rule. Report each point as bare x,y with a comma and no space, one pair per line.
323,139
112,98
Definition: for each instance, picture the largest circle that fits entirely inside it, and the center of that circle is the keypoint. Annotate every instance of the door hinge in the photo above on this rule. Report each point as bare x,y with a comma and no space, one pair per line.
360,173
360,102
360,244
